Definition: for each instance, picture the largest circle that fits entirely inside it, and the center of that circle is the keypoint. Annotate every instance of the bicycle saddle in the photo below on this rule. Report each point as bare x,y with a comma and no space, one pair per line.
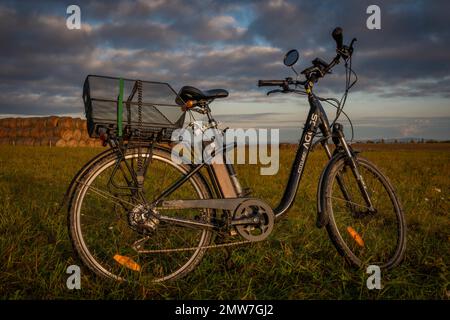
191,93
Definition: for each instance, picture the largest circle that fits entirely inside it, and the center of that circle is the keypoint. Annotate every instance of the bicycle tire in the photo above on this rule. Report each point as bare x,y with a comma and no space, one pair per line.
76,234
335,228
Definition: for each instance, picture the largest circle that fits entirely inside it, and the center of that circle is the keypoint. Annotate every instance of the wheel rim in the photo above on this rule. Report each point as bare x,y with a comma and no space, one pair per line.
117,268
367,237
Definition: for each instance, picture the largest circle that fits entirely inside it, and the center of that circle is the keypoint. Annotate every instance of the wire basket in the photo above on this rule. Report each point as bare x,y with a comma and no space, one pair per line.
131,109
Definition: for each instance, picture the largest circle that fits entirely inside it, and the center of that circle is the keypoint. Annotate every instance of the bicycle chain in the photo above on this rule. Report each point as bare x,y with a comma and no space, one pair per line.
213,246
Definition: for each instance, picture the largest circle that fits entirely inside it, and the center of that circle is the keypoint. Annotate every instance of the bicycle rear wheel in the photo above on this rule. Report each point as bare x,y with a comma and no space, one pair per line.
365,237
106,240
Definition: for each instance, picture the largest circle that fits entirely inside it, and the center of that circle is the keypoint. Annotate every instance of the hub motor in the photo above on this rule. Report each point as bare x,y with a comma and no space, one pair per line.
143,219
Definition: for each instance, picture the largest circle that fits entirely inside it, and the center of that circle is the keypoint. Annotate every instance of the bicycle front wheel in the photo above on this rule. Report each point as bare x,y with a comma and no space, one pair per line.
104,214
363,235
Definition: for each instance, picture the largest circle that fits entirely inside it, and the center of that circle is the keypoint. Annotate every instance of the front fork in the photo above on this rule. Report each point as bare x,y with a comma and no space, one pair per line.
339,141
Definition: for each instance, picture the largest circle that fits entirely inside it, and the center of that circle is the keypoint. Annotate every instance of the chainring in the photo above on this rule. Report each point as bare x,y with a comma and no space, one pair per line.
261,214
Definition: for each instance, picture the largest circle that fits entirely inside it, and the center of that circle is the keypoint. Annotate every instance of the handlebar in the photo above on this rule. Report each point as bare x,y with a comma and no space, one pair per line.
319,67
271,83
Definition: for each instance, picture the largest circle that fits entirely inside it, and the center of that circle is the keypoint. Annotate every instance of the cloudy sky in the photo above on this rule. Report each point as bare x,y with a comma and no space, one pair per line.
403,69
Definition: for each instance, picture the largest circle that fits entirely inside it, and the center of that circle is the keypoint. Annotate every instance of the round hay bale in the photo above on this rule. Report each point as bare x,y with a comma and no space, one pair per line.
33,122
26,123
85,134
83,125
48,132
12,133
4,132
67,134
82,143
76,123
56,131
60,143
40,122
65,122
12,123
4,141
37,132
72,143
52,122
76,134
25,132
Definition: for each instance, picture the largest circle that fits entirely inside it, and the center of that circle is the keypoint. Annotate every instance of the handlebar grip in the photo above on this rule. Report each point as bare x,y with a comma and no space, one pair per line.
270,83
337,36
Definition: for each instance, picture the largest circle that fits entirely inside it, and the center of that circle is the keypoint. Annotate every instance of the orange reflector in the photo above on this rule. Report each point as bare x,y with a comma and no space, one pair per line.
355,235
189,104
127,262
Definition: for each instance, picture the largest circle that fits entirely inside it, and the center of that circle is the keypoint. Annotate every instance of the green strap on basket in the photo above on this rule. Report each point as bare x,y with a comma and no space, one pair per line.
120,109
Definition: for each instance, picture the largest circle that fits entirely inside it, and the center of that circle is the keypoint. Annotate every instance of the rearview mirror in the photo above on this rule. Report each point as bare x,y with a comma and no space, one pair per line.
291,58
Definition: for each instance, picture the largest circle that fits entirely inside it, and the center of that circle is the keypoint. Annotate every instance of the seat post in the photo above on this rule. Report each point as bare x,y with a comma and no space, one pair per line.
211,120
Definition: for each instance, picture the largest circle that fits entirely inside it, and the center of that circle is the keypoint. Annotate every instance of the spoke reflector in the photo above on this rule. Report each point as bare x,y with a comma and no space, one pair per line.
127,262
355,235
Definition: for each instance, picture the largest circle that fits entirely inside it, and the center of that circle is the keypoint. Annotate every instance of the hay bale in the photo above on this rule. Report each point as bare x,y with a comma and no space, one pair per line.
57,131
40,122
72,143
60,143
67,134
12,123
12,133
33,122
26,123
65,122
5,141
76,134
52,122
4,123
37,132
24,132
82,143
77,123
4,132
85,134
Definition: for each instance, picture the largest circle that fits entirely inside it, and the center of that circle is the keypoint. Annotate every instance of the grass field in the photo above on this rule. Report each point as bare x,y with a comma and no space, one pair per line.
297,261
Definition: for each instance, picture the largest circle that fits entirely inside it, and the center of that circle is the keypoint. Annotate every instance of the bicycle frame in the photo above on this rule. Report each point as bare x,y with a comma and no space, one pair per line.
228,190
317,119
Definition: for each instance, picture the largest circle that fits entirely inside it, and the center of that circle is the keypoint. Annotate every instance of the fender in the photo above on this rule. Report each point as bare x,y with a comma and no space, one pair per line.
322,217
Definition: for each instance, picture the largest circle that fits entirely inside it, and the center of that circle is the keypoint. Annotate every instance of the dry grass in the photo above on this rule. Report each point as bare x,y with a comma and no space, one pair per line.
297,262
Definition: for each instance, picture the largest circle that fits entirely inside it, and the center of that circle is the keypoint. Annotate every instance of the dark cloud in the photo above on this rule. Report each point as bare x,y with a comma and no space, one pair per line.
215,44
